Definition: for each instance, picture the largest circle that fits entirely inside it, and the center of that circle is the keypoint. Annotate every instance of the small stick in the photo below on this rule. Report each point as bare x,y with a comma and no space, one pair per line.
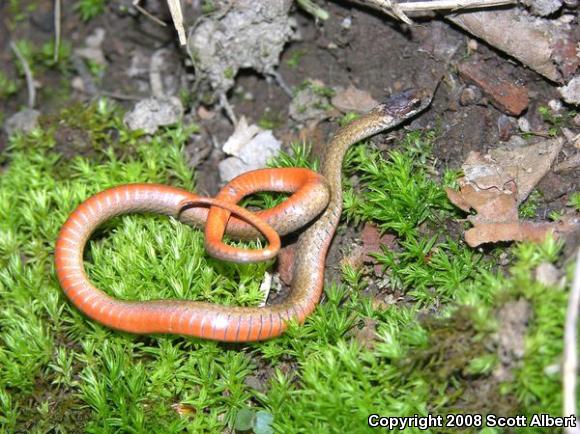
177,16
56,30
399,10
27,74
144,11
313,9
570,364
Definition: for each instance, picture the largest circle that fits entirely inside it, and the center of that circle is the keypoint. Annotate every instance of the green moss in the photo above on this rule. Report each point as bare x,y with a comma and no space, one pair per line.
18,10
208,7
317,89
229,73
527,210
294,58
555,120
575,201
89,9
270,120
7,87
433,352
42,57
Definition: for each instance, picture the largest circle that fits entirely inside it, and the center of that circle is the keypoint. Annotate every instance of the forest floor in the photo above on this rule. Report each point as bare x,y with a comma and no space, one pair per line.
413,321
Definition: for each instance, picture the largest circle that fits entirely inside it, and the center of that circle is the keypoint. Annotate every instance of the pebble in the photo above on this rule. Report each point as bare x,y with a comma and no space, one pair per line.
524,125
23,121
151,113
501,91
470,95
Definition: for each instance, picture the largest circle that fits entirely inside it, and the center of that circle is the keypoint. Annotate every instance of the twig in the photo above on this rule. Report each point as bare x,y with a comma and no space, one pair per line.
265,287
177,16
145,12
570,364
399,10
27,74
56,30
225,105
452,5
313,9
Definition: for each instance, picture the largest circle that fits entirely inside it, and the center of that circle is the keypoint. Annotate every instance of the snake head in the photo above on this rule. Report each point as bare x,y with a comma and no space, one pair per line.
406,103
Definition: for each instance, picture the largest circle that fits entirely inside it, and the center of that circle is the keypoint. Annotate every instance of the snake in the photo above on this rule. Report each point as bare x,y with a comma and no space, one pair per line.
315,196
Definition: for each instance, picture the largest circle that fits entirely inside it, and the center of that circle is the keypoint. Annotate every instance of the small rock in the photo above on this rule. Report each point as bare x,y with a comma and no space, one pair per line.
565,55
346,23
472,45
513,320
543,8
502,93
505,127
205,114
23,121
555,105
571,92
253,155
93,47
166,73
151,113
547,274
244,34
78,84
470,95
308,105
552,186
516,141
524,125
571,137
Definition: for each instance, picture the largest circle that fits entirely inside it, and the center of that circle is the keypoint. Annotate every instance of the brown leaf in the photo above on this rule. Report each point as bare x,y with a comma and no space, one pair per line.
495,184
352,99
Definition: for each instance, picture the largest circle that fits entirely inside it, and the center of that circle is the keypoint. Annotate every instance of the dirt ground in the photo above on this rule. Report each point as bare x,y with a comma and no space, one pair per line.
356,46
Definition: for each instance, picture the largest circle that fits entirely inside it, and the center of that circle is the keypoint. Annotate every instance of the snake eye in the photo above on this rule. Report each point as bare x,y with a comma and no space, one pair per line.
415,104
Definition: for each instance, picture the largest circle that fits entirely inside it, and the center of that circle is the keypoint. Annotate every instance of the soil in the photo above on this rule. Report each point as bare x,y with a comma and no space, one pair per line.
356,46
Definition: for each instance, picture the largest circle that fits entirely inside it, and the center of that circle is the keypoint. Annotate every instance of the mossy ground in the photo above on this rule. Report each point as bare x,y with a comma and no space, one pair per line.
434,352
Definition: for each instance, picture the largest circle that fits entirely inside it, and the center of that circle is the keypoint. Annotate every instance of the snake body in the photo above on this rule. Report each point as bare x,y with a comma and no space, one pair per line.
211,321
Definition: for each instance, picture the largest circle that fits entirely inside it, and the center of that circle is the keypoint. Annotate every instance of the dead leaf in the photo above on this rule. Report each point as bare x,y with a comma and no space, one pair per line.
495,184
352,99
241,136
523,166
184,409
